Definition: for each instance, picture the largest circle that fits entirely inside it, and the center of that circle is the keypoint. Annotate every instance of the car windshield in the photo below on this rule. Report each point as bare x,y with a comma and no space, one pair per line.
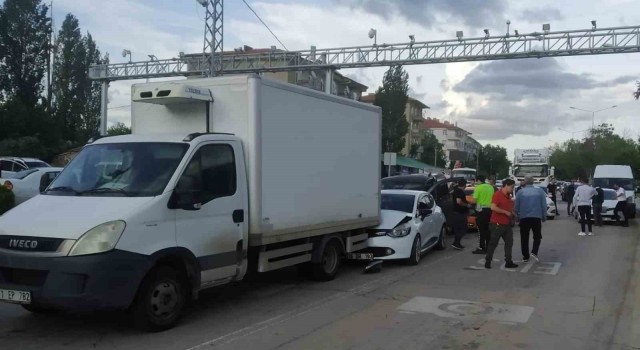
466,174
398,202
37,164
533,170
24,173
610,195
605,182
120,169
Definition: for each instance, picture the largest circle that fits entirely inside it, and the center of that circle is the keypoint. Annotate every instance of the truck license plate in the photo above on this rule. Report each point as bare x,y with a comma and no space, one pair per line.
361,256
15,296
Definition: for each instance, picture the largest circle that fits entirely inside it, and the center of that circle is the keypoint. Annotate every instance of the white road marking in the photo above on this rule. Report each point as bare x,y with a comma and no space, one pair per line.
463,309
548,268
363,288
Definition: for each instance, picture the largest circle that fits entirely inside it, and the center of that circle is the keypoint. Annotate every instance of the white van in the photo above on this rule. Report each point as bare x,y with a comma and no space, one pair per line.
606,176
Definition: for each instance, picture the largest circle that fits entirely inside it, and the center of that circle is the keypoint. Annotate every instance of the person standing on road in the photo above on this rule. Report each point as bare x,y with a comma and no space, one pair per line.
531,210
553,189
582,201
571,191
596,203
483,193
621,206
500,224
460,212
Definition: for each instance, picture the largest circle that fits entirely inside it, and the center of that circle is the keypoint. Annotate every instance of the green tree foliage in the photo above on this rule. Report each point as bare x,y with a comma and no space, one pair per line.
76,99
578,158
493,160
431,149
392,98
118,129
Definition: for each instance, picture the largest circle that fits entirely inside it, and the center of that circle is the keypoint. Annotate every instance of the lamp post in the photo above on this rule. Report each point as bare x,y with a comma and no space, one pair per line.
573,132
593,113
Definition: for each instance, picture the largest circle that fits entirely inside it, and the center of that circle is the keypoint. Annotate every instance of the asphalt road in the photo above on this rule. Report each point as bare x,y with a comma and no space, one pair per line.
584,294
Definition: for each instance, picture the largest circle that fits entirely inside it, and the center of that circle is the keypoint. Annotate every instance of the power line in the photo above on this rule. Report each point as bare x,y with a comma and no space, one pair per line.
275,36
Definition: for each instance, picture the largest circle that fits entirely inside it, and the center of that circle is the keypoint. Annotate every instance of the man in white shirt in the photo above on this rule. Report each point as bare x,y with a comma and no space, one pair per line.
582,200
621,206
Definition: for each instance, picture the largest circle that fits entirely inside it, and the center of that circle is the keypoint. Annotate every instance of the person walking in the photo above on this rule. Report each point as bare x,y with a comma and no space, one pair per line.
460,212
483,193
582,201
571,191
500,224
621,206
531,210
596,203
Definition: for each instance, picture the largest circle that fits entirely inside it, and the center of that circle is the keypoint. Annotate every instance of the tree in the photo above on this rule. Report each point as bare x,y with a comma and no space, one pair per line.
76,99
24,48
432,150
118,128
493,160
392,98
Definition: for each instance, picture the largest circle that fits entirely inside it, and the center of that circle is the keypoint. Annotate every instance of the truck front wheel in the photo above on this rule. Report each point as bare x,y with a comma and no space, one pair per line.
327,268
160,300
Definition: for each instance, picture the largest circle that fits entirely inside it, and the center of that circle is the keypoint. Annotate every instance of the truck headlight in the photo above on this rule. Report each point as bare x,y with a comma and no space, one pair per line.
99,239
400,231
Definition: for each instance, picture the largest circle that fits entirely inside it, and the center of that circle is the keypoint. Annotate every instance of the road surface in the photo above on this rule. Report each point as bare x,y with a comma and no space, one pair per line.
585,294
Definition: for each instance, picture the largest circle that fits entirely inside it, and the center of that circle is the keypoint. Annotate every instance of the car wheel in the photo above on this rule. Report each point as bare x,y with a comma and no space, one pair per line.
160,300
327,268
414,258
442,240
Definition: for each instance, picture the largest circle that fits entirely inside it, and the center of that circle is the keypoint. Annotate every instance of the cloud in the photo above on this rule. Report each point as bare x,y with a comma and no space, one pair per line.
541,14
515,80
430,13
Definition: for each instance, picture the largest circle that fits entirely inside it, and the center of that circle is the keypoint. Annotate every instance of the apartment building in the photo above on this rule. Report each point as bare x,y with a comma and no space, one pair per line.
458,143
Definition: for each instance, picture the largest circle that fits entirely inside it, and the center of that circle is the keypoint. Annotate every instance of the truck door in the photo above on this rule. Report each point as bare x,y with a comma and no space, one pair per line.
213,230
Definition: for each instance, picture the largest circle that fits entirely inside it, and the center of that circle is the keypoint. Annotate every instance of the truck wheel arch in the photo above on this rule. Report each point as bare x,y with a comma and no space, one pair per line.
318,246
183,260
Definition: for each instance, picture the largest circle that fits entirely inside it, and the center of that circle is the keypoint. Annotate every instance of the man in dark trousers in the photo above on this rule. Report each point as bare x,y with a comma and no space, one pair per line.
596,204
621,206
531,209
500,224
571,191
553,189
483,193
460,212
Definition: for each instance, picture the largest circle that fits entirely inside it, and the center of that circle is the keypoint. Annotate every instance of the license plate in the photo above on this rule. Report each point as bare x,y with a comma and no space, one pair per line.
15,296
361,256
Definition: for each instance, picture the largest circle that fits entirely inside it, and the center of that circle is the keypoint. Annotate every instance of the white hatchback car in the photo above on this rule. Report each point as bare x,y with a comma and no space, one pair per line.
411,224
608,206
29,183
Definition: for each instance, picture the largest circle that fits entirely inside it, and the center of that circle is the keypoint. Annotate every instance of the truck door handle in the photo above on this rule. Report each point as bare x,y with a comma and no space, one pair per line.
238,216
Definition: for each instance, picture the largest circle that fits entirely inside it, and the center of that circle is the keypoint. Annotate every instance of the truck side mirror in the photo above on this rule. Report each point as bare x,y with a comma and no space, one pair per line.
185,196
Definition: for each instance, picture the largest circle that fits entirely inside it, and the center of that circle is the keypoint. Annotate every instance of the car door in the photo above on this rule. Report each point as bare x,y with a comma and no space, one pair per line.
441,192
214,231
427,224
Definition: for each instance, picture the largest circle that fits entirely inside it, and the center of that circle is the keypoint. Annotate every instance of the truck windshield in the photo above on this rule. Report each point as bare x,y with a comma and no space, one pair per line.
608,182
533,170
119,169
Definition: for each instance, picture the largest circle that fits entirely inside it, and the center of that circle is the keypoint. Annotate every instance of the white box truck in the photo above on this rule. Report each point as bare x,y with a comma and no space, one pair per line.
220,176
534,162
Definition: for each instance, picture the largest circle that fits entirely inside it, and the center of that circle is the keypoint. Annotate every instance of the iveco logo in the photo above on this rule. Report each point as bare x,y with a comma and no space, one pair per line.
23,243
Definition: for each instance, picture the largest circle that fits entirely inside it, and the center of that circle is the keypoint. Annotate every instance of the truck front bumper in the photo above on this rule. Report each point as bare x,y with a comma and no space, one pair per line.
107,281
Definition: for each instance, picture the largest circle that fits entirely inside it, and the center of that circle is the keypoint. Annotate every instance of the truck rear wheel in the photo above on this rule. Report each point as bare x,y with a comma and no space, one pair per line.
327,268
160,300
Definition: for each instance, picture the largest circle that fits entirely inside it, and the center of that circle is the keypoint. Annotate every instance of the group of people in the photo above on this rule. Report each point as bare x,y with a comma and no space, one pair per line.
499,210
589,200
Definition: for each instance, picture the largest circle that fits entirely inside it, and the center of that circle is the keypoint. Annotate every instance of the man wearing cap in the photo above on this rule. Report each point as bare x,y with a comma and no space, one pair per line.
483,193
531,210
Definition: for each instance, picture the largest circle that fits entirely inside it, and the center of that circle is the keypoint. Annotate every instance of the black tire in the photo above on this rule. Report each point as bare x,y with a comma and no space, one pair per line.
38,309
160,300
414,258
442,240
330,260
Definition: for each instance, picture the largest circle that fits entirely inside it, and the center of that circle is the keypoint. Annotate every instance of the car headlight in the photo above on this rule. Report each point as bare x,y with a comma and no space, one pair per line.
99,239
400,231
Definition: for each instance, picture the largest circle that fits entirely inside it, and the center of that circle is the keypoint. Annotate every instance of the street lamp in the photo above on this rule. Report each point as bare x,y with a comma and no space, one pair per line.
126,52
573,132
508,24
373,34
593,113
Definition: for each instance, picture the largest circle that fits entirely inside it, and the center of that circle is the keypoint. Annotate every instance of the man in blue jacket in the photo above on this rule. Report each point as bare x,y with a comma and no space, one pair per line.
531,210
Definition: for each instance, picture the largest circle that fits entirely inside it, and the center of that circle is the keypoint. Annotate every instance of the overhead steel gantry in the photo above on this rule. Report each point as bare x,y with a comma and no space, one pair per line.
593,41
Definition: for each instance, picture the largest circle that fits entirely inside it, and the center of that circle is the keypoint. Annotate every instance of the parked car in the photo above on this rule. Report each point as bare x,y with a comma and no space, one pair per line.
411,224
416,182
564,193
551,207
609,204
29,183
12,165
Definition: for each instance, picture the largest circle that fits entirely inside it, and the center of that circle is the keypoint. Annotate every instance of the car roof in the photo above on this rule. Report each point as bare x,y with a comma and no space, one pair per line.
415,193
409,176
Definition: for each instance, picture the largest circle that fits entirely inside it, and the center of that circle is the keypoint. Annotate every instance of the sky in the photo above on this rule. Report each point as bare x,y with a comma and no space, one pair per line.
513,103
